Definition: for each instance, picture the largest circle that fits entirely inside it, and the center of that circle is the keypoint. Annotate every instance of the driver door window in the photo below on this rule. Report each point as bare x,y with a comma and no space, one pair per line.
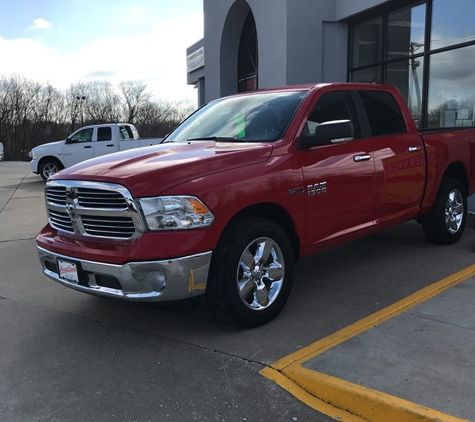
336,105
84,135
79,147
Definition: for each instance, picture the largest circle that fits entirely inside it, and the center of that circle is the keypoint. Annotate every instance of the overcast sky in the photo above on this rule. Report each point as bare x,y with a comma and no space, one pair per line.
68,41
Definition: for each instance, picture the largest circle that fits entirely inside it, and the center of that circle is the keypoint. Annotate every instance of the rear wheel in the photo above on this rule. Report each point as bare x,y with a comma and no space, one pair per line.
445,222
251,272
49,166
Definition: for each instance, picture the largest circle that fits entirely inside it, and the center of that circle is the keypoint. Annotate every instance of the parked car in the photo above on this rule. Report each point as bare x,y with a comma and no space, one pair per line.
85,143
246,186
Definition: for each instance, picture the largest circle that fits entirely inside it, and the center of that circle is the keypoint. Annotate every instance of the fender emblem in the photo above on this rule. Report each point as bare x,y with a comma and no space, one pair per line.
317,189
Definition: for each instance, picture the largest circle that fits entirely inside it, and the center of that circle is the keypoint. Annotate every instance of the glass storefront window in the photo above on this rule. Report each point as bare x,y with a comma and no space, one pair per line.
452,88
371,75
407,76
406,30
367,42
452,22
433,68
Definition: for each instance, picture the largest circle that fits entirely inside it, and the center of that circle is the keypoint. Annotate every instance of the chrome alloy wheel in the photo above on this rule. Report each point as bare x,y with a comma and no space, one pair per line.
260,273
454,211
49,169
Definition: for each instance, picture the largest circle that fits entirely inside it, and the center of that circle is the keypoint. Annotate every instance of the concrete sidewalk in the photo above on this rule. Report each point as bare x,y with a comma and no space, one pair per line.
413,361
20,193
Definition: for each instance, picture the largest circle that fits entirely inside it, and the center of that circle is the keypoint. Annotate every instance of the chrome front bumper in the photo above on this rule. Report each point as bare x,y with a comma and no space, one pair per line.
147,281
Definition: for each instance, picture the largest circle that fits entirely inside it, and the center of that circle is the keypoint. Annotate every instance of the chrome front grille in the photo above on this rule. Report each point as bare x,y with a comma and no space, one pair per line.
96,198
122,227
92,209
56,194
60,220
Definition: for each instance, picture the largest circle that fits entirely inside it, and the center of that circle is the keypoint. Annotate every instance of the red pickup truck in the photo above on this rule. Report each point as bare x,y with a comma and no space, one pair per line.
246,186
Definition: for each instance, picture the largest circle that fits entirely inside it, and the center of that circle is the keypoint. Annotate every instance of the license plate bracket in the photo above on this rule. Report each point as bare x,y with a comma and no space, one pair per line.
68,271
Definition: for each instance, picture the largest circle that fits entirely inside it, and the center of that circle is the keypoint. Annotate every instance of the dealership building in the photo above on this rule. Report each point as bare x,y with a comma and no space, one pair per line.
425,48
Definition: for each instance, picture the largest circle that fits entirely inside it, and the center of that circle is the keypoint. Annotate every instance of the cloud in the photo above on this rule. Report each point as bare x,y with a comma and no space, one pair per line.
101,74
25,56
41,23
157,59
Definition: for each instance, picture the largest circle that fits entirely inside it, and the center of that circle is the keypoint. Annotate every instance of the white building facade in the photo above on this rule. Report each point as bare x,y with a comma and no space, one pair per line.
426,48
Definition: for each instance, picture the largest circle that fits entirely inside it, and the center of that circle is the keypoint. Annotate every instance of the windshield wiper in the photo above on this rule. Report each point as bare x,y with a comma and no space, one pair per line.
218,138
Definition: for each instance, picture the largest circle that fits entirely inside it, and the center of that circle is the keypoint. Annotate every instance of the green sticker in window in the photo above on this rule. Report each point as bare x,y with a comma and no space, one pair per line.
241,127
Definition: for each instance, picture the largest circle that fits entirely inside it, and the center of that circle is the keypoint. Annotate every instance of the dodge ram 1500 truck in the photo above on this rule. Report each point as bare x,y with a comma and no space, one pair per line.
246,186
86,142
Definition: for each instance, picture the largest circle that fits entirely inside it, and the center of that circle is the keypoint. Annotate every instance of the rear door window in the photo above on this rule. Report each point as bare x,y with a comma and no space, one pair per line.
384,114
104,134
126,133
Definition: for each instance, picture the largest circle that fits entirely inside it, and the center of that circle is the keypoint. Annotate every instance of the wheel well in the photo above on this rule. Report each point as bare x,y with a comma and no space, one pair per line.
458,171
278,215
49,158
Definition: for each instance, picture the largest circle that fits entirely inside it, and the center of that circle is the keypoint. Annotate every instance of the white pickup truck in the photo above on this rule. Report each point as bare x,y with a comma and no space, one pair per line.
86,142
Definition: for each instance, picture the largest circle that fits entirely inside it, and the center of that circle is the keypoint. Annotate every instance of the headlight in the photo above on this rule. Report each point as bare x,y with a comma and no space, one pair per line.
175,213
31,154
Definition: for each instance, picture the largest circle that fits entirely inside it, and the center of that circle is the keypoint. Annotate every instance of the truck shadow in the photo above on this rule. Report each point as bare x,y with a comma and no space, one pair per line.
331,290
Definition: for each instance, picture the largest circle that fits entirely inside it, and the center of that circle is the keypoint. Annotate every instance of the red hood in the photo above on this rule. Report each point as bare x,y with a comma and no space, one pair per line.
167,165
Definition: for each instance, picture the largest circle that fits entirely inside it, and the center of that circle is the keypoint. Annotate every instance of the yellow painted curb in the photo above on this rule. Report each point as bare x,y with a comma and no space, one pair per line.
369,404
344,400
308,398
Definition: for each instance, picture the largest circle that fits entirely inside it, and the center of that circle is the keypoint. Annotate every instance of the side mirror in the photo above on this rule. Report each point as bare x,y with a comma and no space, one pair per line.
328,133
67,141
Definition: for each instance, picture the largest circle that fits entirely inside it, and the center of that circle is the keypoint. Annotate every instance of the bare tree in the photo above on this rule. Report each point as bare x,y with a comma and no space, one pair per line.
18,99
183,109
101,103
49,114
74,98
135,96
32,113
155,118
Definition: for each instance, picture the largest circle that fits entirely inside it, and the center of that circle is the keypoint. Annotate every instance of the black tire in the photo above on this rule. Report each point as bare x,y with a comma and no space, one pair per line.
48,167
445,222
262,297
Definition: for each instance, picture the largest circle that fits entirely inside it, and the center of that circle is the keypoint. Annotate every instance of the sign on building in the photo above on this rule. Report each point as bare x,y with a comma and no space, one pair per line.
195,60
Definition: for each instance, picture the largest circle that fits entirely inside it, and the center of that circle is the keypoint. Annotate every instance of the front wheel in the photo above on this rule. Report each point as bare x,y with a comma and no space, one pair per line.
48,167
251,272
445,222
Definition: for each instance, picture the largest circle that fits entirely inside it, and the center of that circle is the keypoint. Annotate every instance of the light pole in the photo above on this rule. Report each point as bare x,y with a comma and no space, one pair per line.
81,99
414,64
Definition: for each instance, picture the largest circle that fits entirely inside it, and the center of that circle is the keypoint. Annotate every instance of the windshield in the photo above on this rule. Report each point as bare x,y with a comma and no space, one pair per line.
260,117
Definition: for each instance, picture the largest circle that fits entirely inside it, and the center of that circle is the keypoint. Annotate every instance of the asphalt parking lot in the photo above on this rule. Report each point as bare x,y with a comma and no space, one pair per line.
383,327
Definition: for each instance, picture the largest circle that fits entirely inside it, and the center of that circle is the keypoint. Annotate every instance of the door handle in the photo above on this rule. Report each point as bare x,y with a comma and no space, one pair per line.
414,149
364,157
88,146
109,145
